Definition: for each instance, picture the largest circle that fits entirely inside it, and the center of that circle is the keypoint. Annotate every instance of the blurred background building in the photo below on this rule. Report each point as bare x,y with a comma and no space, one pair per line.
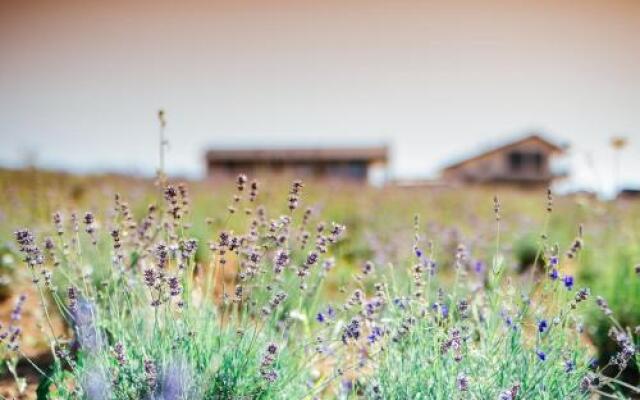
353,164
526,163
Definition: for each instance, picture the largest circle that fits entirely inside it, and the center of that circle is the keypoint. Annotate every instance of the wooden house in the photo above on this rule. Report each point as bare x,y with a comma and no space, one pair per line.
358,165
526,163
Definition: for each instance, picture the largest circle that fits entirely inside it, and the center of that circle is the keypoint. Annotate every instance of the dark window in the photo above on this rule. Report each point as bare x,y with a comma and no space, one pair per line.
230,166
357,170
537,161
516,160
352,170
526,161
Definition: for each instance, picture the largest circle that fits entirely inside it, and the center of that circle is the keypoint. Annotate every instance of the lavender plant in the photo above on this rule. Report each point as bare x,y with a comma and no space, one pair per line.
148,318
409,332
146,321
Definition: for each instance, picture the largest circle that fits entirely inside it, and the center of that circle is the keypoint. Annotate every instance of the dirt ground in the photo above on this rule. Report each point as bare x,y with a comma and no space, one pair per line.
34,341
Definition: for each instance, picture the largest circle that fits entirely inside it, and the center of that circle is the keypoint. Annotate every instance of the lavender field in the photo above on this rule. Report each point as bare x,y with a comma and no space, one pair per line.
319,200
120,288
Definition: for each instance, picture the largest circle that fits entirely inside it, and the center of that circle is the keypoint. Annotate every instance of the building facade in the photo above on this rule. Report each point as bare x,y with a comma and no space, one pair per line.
525,163
358,165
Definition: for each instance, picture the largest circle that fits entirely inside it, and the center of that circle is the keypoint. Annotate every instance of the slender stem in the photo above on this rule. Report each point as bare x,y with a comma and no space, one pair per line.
162,144
34,365
43,303
626,385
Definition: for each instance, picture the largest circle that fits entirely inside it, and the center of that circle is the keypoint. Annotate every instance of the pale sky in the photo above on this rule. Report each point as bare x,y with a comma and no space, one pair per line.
80,81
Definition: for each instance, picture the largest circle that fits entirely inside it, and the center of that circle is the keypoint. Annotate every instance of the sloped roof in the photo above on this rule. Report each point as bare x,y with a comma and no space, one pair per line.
553,148
367,154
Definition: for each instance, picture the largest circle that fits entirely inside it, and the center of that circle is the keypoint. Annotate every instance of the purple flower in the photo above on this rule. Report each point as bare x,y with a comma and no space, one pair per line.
510,394
462,382
444,309
150,373
541,355
347,386
582,295
331,312
569,366
174,286
121,356
401,302
432,266
367,268
16,313
479,267
269,375
149,277
553,274
27,242
376,333
281,260
324,316
553,261
568,281
542,325
351,331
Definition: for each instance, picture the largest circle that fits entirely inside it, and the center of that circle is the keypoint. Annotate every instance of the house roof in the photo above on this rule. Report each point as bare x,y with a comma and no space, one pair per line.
367,154
553,148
